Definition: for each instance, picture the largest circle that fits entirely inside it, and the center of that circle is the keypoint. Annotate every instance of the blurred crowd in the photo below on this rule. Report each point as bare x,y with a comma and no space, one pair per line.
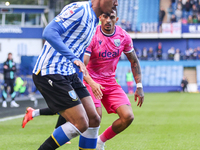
174,54
184,11
126,25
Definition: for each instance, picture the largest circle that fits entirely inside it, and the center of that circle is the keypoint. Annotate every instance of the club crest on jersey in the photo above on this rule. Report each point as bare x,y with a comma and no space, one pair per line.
72,94
117,42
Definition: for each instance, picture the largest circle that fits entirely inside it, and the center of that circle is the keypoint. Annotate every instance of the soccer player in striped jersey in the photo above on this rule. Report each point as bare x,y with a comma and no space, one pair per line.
101,58
67,36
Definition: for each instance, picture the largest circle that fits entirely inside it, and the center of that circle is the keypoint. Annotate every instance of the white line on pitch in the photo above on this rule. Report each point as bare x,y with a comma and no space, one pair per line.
11,118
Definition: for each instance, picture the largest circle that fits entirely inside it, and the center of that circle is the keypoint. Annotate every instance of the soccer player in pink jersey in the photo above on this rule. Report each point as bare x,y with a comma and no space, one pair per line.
101,58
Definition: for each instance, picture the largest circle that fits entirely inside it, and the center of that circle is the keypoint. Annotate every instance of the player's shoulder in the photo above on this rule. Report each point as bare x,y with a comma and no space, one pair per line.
72,7
121,32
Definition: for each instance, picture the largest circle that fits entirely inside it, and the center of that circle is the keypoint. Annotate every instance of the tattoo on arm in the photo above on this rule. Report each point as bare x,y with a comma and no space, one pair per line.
135,66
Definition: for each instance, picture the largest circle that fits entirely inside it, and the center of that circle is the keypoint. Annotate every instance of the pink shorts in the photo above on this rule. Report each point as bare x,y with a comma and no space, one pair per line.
113,95
130,83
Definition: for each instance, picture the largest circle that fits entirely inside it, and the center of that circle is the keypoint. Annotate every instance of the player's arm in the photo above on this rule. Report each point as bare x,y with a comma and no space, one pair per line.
52,33
5,67
136,70
96,88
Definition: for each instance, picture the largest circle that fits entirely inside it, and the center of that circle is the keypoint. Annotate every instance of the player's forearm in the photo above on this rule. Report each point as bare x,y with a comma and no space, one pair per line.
136,70
88,79
135,66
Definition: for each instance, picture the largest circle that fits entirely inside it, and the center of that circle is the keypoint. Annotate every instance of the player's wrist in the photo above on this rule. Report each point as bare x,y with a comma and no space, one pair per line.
139,85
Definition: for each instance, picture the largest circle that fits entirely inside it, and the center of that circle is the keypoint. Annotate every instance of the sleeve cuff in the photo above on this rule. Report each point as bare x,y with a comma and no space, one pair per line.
72,60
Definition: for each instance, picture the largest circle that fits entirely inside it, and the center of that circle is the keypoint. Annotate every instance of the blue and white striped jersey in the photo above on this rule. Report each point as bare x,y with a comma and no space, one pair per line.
77,23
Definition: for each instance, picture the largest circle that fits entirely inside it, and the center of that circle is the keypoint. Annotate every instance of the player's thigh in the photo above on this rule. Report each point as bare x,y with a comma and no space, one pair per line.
89,106
85,98
94,118
76,115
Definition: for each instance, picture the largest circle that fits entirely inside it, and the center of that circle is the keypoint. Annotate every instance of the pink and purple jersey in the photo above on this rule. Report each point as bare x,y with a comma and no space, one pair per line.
105,51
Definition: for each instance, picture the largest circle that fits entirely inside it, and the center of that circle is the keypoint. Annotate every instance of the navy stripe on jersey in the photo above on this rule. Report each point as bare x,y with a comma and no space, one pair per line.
75,25
58,63
40,56
50,61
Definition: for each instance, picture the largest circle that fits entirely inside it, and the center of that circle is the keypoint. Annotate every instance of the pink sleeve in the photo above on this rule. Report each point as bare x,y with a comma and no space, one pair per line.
90,47
128,47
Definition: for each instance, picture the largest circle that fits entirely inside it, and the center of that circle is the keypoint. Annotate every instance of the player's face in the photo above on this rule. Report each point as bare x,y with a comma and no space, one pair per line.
108,22
107,6
10,56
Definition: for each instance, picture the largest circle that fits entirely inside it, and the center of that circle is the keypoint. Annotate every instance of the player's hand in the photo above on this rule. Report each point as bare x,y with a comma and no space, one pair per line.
81,66
96,89
139,94
5,67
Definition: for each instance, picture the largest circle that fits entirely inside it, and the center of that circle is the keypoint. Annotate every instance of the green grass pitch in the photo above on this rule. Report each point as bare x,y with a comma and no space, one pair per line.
166,121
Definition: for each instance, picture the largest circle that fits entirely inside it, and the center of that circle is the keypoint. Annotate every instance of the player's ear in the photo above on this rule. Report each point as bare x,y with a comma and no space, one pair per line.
100,18
117,19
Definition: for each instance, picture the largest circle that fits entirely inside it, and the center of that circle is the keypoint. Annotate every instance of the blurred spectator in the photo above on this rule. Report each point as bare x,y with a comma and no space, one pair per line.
198,50
187,54
20,86
129,81
144,54
184,21
170,12
9,70
161,17
173,2
173,18
171,53
190,20
177,55
138,53
179,5
198,7
178,13
184,84
195,19
128,26
198,57
184,2
194,2
187,6
159,51
123,24
150,54
191,51
194,10
198,18
194,54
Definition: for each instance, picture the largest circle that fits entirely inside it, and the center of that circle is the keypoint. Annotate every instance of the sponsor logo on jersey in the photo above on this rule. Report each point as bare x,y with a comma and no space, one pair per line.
108,54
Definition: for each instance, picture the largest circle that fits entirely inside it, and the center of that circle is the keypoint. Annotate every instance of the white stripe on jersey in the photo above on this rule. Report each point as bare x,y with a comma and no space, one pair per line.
79,21
129,51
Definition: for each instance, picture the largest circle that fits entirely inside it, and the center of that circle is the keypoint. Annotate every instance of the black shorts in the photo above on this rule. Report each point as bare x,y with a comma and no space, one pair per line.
60,92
